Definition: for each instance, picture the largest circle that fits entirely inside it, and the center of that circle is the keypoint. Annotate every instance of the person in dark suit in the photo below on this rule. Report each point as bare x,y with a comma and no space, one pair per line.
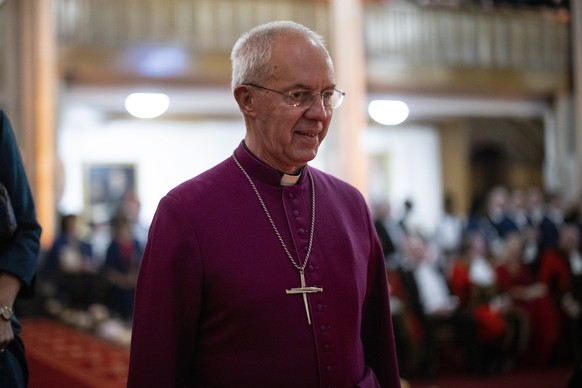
381,220
18,258
70,266
121,266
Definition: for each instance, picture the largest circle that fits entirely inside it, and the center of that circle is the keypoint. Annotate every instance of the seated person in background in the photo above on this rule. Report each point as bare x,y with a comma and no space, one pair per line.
429,298
561,272
474,282
382,224
121,267
407,327
529,300
497,223
449,230
69,266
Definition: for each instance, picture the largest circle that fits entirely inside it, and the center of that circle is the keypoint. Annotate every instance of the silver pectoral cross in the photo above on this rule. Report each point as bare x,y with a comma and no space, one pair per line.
304,290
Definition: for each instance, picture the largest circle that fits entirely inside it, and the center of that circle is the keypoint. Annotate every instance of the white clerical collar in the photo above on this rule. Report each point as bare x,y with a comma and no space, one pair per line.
289,180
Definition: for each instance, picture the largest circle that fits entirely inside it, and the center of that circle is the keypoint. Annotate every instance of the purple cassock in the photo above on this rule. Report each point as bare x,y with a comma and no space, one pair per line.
212,307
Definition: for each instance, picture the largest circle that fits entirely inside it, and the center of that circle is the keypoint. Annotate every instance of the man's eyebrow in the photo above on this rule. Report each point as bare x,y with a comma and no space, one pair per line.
306,87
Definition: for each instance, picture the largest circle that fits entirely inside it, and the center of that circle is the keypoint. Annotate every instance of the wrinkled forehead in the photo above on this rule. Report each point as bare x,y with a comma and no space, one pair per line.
296,53
294,41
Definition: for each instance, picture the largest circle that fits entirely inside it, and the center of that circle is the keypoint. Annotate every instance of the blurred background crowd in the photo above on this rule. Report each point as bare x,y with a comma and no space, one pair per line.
87,277
489,291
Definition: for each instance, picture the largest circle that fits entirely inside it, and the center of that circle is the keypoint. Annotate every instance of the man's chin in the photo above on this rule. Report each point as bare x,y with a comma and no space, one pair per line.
306,157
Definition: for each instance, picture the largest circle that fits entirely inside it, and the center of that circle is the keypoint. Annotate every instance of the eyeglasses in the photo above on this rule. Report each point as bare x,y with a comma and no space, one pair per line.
331,99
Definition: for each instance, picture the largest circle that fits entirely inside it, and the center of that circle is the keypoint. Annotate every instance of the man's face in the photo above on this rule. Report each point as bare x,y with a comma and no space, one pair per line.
283,136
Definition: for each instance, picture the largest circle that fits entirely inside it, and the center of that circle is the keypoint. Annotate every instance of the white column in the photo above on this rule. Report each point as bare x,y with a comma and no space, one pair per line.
347,159
37,104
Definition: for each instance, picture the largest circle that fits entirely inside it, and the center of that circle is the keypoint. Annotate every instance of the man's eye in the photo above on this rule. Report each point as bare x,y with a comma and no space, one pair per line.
299,95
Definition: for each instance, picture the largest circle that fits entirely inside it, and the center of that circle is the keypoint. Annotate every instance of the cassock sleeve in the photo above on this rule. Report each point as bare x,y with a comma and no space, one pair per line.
377,330
19,255
167,302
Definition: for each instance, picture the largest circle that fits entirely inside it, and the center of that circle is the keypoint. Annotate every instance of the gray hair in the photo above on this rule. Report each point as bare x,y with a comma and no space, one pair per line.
251,53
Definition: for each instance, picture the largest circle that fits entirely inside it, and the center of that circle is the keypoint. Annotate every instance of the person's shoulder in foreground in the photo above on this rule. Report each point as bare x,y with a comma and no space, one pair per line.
20,254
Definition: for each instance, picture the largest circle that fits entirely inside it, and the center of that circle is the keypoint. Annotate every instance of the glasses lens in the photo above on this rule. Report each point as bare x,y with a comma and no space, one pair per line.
337,98
299,98
332,99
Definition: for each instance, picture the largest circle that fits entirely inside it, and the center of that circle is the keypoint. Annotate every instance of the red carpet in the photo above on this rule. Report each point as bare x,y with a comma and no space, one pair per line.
61,357
540,378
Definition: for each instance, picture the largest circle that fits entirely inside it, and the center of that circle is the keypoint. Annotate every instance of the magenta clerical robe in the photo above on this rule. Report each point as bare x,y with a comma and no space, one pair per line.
211,308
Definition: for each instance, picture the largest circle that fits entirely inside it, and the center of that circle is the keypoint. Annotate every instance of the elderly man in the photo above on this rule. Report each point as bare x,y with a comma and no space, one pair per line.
263,271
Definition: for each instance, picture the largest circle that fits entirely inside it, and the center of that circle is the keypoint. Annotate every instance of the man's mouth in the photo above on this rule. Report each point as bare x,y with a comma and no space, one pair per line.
310,134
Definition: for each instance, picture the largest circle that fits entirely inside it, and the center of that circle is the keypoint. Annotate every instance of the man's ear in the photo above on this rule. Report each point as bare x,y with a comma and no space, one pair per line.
244,99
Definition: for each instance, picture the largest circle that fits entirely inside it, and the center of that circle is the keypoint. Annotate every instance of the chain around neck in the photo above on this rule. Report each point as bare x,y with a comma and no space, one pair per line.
300,268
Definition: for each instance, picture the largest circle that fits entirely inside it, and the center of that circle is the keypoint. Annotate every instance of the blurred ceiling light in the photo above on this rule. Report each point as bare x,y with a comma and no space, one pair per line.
155,61
388,112
147,105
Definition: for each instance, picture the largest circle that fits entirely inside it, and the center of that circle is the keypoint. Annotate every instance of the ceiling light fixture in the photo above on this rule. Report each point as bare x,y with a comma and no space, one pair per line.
147,105
388,112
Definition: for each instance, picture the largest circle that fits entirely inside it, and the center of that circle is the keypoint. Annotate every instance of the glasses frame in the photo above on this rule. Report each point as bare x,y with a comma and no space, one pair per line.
287,96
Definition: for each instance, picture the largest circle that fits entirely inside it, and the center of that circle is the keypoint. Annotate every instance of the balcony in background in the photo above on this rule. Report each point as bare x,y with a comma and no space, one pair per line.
408,47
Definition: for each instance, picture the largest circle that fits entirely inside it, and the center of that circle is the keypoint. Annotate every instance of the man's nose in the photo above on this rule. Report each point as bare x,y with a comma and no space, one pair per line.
317,110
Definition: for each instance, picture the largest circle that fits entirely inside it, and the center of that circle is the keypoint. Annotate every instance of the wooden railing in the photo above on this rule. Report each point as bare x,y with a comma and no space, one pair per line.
199,25
396,31
469,38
